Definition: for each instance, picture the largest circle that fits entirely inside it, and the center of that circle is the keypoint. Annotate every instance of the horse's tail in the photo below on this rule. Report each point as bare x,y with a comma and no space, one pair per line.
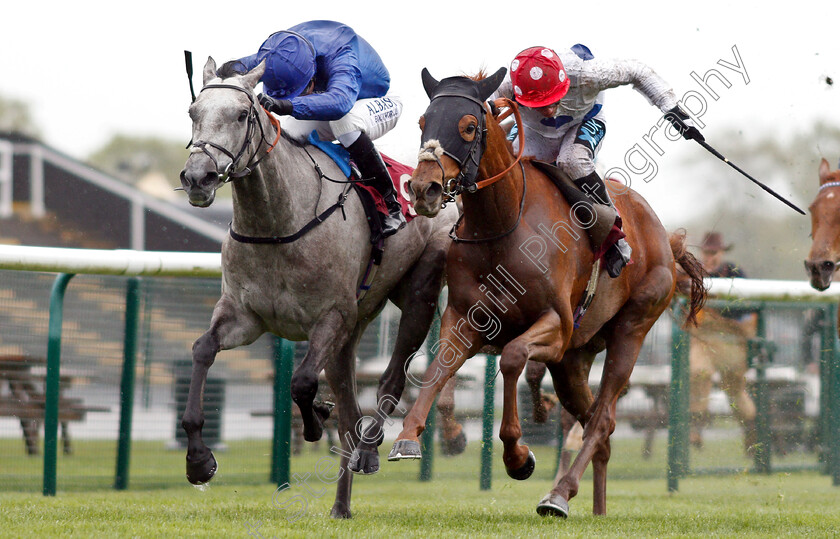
689,276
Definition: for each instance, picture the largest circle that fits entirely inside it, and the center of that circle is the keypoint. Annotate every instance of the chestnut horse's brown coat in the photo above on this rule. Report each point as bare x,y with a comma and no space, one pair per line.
823,259
517,294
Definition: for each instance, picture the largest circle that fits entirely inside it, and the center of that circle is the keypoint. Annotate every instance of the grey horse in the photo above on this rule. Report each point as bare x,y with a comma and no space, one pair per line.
304,288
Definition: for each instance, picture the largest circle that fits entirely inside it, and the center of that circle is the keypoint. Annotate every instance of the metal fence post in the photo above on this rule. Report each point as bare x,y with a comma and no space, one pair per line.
52,382
281,453
760,354
678,416
833,386
486,476
132,310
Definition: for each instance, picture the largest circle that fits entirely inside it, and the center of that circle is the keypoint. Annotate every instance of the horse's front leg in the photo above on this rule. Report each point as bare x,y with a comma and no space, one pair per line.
458,342
327,337
417,298
622,351
227,330
543,341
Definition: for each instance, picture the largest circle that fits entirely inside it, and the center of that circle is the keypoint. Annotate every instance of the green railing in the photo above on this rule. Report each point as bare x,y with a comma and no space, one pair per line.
760,352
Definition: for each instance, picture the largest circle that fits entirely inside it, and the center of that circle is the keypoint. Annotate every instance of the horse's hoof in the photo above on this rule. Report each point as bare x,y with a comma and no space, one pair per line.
340,511
405,449
553,505
455,446
364,461
313,433
524,471
203,470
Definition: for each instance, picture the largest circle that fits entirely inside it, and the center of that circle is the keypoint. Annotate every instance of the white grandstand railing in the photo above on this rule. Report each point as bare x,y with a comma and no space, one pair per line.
165,263
769,289
110,262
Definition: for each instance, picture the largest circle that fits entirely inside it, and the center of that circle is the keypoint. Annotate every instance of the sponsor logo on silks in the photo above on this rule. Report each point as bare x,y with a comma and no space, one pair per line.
591,133
557,122
380,104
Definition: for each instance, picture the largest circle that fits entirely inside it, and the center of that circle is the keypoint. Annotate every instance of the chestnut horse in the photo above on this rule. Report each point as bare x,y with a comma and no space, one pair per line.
824,258
518,267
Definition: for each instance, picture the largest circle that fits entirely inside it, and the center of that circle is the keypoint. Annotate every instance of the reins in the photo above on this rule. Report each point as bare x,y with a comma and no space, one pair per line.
513,108
455,238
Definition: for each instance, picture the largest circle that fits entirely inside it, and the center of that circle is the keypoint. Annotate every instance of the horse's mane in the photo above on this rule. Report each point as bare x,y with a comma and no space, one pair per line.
481,75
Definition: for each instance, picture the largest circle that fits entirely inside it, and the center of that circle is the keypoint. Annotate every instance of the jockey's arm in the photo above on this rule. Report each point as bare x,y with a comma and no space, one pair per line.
613,73
341,93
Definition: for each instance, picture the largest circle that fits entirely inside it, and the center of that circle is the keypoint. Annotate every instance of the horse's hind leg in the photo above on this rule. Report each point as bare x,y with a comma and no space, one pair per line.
453,438
226,331
570,378
542,403
326,339
417,298
341,377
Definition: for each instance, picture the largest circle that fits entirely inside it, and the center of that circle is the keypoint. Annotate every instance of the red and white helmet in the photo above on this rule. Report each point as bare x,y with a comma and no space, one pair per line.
538,76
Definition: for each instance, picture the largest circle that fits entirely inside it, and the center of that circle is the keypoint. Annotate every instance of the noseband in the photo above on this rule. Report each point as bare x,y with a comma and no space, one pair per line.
253,123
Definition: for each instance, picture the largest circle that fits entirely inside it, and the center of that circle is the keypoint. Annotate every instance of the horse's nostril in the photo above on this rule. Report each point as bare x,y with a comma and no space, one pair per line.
433,191
828,265
210,178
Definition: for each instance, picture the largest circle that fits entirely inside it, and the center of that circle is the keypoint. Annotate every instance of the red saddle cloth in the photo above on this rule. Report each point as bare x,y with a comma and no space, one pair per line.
400,174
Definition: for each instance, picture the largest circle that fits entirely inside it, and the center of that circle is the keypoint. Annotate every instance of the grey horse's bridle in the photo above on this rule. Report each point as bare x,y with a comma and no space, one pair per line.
229,172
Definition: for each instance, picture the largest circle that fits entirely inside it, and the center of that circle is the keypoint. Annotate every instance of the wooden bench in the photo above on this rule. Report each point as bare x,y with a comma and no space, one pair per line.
25,378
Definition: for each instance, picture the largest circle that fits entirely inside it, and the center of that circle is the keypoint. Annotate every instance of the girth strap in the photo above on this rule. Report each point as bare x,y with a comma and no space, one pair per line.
297,235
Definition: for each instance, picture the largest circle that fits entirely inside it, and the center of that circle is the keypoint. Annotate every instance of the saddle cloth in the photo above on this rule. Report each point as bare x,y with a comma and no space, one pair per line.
400,174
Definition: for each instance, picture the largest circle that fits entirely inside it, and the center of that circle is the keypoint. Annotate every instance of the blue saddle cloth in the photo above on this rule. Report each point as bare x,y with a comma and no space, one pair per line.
336,151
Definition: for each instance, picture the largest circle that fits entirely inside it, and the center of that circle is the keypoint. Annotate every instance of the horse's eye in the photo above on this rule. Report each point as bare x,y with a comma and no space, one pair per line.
422,123
243,115
468,126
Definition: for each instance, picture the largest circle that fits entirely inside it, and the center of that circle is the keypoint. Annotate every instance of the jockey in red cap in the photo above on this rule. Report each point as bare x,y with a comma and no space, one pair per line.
563,115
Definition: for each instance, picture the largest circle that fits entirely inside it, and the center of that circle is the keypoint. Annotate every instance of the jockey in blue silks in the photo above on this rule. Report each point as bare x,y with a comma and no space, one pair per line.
322,76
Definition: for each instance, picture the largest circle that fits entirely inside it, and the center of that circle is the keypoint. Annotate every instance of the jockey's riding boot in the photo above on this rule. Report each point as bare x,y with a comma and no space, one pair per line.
375,173
618,254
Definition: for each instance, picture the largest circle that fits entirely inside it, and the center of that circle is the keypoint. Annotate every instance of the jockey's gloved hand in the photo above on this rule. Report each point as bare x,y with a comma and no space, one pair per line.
683,124
281,107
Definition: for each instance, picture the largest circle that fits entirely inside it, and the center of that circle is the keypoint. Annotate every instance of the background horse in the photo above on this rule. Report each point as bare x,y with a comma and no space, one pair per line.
823,259
518,267
302,288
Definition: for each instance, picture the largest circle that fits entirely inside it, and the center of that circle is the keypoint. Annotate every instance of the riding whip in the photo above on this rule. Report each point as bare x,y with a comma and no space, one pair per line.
188,61
733,165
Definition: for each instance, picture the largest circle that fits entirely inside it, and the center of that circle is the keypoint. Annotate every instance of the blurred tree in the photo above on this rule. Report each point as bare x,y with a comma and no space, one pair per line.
15,116
770,240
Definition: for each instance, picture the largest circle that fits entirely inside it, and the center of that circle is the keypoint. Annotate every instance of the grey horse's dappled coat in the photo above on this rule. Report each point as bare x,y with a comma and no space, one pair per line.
306,289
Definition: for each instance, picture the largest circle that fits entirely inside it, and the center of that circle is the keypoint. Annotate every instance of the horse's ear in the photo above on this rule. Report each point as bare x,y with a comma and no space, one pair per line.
251,78
429,82
825,170
489,85
209,70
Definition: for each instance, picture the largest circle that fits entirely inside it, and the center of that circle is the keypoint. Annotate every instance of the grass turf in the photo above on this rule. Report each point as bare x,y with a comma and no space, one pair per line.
160,503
